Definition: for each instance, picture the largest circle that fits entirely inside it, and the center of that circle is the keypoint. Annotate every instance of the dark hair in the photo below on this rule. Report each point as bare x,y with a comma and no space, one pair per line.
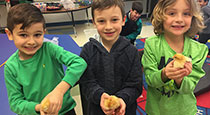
206,0
137,6
25,14
104,4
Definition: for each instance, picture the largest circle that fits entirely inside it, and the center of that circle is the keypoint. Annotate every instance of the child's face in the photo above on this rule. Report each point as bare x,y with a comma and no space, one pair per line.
29,40
202,3
109,23
178,19
134,15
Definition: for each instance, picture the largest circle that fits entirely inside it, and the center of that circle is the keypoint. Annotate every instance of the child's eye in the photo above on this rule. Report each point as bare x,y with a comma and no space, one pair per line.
115,20
187,14
23,35
37,35
100,21
171,13
136,13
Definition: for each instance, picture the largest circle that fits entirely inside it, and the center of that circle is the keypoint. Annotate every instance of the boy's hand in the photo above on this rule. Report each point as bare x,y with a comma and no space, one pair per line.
107,112
37,107
43,113
121,109
56,100
56,97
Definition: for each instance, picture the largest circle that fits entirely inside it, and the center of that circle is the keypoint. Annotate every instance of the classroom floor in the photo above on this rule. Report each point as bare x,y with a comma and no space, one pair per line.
84,31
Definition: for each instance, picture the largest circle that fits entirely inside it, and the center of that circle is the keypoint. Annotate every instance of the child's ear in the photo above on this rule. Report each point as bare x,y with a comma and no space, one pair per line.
124,20
9,34
94,23
45,30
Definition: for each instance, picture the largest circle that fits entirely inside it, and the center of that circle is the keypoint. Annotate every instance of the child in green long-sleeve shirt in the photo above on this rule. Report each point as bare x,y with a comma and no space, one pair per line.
170,90
34,73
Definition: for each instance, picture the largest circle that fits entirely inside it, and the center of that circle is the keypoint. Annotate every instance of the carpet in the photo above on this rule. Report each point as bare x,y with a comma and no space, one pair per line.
203,99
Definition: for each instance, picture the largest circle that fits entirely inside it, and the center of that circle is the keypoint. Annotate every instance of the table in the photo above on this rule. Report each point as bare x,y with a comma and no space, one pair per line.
7,48
72,15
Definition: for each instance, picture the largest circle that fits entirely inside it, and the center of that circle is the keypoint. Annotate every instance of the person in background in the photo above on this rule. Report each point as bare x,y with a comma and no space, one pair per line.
203,3
204,36
34,73
170,89
114,66
133,23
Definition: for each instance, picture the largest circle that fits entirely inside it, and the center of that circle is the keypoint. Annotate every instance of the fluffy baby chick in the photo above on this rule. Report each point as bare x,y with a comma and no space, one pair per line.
180,60
112,103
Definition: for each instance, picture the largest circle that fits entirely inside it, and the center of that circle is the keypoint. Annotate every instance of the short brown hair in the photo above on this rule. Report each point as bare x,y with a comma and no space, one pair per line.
159,16
25,14
104,4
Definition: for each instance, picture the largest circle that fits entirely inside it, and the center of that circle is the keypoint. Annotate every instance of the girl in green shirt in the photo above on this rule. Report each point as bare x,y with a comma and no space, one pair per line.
170,90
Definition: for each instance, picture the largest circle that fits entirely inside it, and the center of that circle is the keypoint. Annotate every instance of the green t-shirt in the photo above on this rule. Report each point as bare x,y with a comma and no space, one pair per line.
29,81
166,98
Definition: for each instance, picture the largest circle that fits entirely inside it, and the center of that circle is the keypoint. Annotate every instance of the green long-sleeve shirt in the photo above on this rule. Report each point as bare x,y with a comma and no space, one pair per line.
29,81
167,98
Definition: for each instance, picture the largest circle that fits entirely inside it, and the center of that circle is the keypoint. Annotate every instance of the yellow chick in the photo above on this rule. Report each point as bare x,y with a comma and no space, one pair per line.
112,103
45,105
180,60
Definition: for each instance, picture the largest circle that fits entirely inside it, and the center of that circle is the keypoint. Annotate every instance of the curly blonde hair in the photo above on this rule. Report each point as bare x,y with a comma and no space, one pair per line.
158,17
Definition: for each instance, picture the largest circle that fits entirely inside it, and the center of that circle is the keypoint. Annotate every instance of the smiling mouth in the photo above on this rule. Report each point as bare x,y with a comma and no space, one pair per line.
109,33
178,27
30,48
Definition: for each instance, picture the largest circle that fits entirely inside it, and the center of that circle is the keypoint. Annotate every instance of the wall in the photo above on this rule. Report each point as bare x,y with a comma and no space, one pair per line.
64,17
81,15
3,15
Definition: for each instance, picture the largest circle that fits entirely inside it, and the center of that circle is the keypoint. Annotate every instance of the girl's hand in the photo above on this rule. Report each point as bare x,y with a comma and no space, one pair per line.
107,112
177,74
174,73
188,67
